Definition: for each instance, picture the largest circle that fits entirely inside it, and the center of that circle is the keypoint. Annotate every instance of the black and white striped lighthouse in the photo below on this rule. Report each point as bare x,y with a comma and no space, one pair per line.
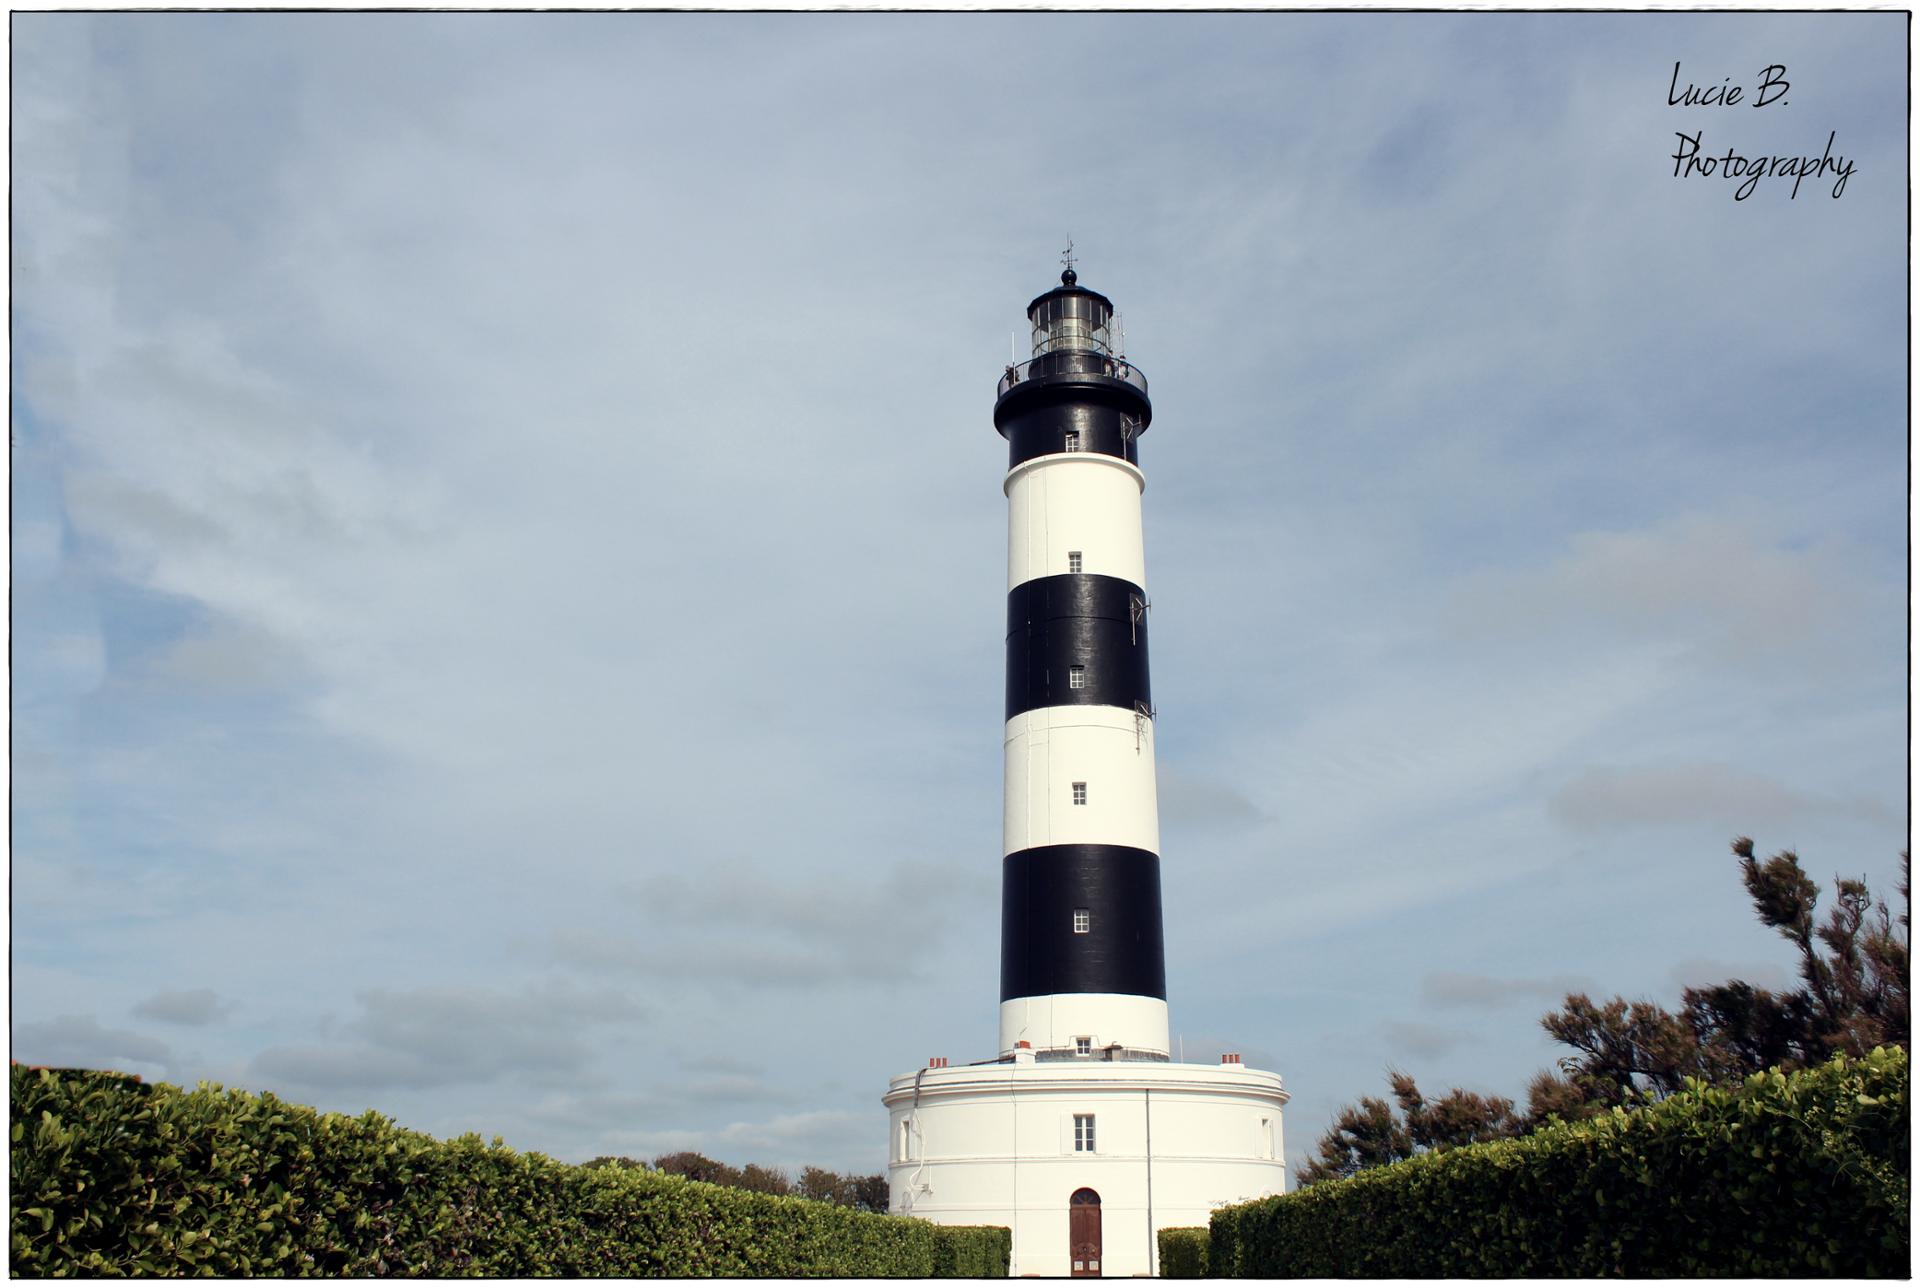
1082,968
1084,1138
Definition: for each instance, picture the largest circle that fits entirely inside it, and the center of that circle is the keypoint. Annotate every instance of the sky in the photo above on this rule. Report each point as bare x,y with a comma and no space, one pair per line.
508,558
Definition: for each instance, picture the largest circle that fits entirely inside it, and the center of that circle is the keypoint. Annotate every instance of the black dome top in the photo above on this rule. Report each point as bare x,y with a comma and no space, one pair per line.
1070,285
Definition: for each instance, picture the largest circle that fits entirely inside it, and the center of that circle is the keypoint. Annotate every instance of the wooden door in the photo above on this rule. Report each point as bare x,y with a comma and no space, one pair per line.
1083,1234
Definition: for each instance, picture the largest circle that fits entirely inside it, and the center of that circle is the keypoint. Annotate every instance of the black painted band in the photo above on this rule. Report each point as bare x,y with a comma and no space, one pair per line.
1073,392
1042,429
1089,620
1121,950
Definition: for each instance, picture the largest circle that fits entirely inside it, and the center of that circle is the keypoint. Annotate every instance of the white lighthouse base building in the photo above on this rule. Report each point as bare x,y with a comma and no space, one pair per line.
1085,1159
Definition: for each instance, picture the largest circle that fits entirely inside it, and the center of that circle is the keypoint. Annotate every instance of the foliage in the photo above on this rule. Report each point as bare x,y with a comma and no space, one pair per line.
617,1160
1183,1252
1225,1239
1370,1135
1853,998
971,1251
867,1193
111,1176
1802,1173
697,1167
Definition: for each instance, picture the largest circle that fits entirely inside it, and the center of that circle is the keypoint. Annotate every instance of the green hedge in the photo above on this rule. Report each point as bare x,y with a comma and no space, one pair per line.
110,1176
1183,1252
1224,1243
1791,1174
971,1251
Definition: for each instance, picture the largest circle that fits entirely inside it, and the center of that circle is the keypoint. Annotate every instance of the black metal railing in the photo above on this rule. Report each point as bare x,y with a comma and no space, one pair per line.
1079,362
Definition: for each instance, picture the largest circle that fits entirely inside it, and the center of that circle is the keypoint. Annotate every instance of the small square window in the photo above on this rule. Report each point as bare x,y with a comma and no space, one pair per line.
1076,677
1083,1133
1082,920
1084,1046
1079,793
1073,561
1073,440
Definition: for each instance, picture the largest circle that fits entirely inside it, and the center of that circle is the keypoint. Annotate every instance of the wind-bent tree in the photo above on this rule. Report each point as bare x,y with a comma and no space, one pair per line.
1371,1133
1853,997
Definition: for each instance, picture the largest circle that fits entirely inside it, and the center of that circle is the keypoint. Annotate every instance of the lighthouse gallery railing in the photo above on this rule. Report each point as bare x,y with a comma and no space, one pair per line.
1077,363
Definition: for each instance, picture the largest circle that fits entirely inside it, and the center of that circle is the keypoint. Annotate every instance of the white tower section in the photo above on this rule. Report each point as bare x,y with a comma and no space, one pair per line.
1080,774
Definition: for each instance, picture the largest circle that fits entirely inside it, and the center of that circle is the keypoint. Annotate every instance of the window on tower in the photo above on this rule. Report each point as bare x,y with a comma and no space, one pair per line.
1082,920
1083,1133
1073,561
1073,440
1083,1046
1076,676
1079,793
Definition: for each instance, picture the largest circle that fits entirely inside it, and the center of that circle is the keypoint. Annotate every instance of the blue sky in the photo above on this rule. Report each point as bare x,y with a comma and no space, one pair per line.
508,556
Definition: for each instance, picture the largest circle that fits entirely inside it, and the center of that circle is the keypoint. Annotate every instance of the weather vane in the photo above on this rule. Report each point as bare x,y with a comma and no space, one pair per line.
1066,256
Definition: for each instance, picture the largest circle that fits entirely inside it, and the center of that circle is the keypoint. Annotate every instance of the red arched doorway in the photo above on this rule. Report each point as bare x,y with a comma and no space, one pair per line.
1083,1234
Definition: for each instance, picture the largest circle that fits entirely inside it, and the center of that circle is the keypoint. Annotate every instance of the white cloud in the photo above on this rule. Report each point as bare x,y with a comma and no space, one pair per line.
81,1041
450,1036
1462,989
72,663
34,548
1736,802
747,924
1424,1040
1203,802
228,660
784,1140
1720,591
188,1006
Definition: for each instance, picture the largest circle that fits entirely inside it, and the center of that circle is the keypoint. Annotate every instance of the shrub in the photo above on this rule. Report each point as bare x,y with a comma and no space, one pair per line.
110,1176
971,1251
1183,1252
1791,1174
1223,1242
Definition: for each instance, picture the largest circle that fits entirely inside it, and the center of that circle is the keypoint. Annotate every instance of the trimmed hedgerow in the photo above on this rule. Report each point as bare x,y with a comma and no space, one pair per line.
1791,1174
1224,1242
971,1251
111,1176
1183,1252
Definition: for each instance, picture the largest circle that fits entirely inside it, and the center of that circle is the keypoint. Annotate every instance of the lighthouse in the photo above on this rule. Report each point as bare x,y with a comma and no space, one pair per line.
1081,961
1081,1134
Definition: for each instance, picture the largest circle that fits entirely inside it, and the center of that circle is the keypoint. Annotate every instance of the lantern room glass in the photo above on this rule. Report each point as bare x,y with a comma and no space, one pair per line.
1072,322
